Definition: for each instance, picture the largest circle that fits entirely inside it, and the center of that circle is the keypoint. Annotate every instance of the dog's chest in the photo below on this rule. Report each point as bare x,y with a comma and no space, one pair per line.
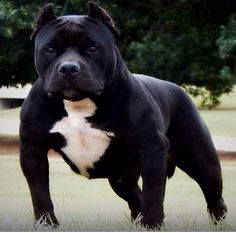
85,145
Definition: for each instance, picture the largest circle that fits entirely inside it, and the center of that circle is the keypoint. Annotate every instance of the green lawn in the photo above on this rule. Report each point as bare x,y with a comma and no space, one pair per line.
228,101
222,121
85,205
9,114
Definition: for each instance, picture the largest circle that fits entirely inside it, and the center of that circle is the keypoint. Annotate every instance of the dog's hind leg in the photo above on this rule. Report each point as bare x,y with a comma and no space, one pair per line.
195,154
208,176
128,189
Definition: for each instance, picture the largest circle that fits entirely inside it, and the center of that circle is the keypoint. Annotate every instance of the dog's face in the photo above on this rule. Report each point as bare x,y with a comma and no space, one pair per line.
75,55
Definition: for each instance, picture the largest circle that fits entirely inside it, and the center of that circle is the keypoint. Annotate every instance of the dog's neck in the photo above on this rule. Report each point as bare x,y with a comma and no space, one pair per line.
116,81
116,95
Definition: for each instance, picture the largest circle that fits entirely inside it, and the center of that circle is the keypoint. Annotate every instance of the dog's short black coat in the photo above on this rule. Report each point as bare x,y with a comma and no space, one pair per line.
139,125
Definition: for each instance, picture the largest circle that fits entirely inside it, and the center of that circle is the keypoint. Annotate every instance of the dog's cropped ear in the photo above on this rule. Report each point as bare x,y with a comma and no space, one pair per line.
45,16
97,12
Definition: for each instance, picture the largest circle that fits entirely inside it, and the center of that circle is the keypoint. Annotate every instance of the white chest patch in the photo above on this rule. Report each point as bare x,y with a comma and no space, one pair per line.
85,145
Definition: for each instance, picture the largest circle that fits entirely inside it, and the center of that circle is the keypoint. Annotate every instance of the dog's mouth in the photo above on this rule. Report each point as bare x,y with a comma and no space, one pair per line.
73,95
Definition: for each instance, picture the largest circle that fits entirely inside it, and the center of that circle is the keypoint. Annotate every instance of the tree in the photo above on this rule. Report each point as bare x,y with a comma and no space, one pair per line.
189,42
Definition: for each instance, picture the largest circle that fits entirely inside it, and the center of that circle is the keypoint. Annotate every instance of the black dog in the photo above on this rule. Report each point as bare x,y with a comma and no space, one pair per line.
109,123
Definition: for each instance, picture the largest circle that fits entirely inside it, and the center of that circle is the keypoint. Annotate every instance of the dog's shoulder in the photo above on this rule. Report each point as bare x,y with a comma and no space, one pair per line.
35,96
38,111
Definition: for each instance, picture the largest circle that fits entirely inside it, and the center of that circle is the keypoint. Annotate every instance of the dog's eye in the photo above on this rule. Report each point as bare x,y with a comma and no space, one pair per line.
50,50
92,49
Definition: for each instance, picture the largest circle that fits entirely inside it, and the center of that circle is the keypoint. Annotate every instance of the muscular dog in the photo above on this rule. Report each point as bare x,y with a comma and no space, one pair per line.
109,123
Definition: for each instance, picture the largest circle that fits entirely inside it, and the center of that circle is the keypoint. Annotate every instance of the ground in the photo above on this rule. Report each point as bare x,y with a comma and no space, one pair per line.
85,205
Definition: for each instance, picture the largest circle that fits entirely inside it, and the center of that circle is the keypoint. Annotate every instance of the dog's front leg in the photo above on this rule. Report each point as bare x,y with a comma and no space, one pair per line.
153,164
34,164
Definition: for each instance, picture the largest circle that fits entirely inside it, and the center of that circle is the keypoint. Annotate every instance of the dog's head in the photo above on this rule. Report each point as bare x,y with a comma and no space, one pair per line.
75,54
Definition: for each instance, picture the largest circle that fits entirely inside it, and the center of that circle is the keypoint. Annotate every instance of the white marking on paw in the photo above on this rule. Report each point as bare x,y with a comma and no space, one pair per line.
85,145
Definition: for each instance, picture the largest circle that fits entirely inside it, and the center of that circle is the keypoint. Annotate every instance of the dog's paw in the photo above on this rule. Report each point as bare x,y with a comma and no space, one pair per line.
218,212
46,222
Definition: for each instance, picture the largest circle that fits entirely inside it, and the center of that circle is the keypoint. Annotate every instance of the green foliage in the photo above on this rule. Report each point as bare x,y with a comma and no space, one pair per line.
227,39
15,56
189,42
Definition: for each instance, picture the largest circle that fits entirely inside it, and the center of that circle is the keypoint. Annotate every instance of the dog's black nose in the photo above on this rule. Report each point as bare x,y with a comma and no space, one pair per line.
67,68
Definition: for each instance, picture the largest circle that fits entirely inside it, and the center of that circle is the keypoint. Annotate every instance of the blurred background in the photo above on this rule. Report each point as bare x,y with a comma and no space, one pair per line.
188,42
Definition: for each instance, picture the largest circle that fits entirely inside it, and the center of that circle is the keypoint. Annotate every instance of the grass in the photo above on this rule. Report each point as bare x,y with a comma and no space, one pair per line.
90,205
10,114
221,122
